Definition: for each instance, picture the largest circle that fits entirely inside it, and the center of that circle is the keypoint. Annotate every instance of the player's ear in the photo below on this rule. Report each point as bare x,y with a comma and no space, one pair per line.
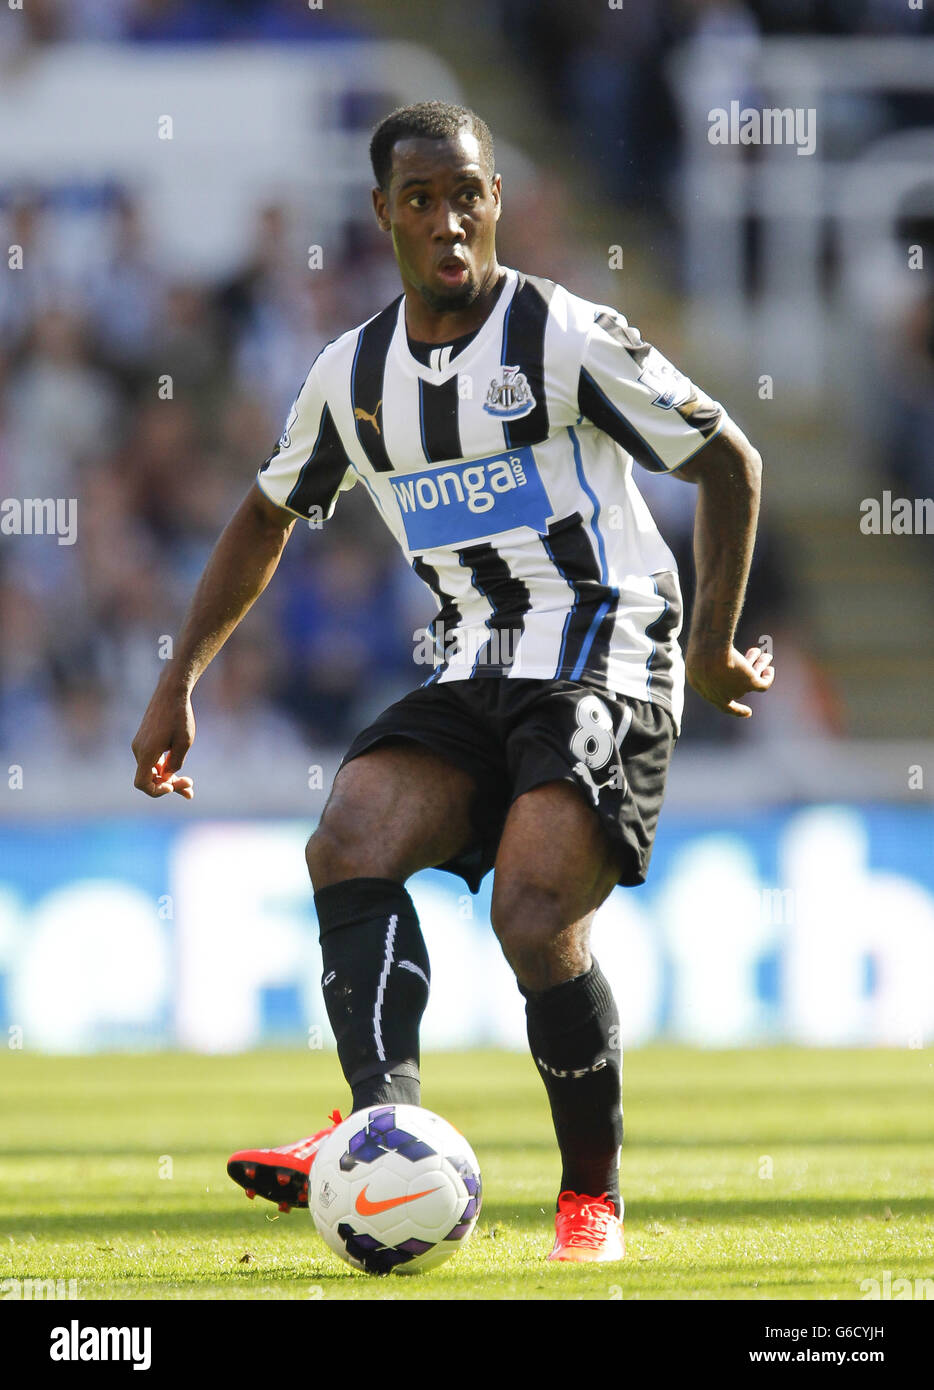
381,208
497,187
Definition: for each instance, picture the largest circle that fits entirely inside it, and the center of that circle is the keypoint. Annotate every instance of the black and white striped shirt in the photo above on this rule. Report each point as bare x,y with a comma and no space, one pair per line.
504,471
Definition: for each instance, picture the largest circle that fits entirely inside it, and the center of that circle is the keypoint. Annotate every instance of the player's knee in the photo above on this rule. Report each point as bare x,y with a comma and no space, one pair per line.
342,848
539,963
521,907
531,925
331,857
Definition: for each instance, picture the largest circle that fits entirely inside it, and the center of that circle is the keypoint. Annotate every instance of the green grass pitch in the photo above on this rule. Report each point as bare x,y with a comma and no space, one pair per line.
780,1173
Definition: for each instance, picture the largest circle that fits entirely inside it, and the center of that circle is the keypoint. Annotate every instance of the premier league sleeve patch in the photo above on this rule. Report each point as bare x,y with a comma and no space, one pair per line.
671,387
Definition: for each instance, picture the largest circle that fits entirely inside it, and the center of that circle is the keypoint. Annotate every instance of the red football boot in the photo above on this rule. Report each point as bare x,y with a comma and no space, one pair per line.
280,1175
587,1230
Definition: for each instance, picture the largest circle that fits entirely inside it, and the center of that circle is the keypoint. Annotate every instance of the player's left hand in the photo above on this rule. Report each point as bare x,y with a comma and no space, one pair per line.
723,677
166,781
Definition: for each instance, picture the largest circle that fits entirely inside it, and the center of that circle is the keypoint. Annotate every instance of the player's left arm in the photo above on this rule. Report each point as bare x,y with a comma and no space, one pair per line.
727,472
668,425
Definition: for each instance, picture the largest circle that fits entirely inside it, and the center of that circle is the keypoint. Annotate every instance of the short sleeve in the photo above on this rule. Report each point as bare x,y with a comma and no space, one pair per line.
633,393
309,466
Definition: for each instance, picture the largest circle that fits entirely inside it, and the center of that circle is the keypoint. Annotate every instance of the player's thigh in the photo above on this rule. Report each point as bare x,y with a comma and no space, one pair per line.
393,810
555,864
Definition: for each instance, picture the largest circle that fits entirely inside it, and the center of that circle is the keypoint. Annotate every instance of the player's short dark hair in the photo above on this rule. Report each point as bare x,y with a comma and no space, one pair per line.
427,120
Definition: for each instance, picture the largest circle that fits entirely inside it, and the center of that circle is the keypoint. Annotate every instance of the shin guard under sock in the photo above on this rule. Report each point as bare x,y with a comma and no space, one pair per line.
573,1032
375,981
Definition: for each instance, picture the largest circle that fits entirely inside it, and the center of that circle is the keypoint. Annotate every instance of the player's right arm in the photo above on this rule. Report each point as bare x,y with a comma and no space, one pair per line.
241,565
301,478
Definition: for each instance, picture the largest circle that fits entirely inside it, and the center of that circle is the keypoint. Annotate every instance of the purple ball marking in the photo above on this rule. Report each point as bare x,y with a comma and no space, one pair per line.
367,1242
415,1246
397,1138
415,1149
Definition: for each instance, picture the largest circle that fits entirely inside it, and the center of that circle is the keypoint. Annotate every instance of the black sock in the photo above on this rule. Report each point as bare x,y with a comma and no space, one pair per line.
375,980
574,1036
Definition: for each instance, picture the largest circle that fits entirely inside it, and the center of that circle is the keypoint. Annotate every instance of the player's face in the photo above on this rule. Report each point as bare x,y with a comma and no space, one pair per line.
442,210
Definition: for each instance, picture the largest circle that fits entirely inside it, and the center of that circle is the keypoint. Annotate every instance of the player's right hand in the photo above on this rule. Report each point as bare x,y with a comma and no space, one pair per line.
162,741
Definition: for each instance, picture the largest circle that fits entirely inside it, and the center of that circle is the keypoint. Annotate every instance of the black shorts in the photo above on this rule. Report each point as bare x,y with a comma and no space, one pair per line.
513,735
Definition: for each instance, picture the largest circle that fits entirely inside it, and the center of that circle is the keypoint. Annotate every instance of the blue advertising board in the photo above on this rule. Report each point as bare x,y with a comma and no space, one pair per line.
813,925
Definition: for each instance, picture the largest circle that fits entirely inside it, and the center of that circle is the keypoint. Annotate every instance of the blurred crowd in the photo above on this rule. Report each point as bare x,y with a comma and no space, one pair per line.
153,402
602,75
554,34
174,21
905,420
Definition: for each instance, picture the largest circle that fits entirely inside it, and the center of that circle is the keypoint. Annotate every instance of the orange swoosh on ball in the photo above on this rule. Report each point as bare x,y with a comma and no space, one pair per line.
367,1208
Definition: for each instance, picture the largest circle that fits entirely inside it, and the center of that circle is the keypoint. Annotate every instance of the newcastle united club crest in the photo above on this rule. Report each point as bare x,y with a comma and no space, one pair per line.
510,397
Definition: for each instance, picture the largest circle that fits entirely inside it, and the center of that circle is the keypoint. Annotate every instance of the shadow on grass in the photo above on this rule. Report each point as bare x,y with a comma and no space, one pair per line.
708,1210
195,1224
751,1139
527,1144
241,1280
633,1278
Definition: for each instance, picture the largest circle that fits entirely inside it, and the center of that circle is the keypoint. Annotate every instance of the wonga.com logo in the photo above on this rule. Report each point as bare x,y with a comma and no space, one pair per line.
449,504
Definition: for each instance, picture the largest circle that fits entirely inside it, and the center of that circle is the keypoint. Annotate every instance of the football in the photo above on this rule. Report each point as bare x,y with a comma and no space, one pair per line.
395,1190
